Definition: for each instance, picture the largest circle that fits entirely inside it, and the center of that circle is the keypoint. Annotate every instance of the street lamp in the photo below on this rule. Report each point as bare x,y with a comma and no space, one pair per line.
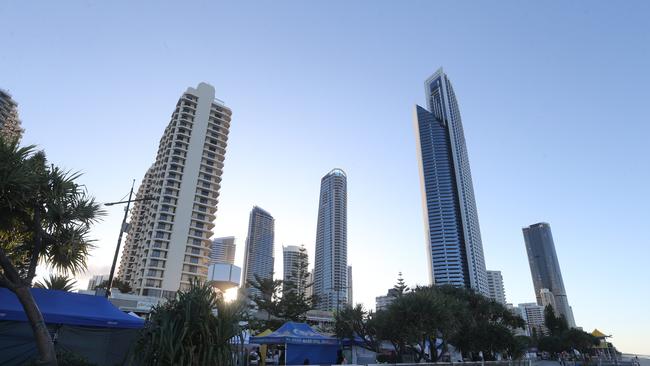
119,238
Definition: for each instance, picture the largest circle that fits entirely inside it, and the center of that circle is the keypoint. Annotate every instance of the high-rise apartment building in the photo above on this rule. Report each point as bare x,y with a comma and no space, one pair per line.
258,255
223,250
496,289
453,237
295,261
545,268
10,129
168,241
533,315
331,262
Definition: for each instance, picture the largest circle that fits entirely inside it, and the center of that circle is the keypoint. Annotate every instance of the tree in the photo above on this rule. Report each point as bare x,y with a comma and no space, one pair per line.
265,293
279,306
45,215
353,322
400,287
122,286
197,327
57,282
556,325
561,337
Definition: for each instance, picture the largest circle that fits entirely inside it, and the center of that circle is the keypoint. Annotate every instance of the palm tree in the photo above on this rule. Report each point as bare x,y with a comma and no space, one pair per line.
45,216
57,282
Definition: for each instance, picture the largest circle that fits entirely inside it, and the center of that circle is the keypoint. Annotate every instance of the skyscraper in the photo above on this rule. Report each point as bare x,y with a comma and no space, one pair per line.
331,263
295,261
545,268
258,255
168,241
10,128
496,289
453,237
223,250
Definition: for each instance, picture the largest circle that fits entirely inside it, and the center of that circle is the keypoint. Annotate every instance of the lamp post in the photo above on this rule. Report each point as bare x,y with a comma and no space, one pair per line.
119,238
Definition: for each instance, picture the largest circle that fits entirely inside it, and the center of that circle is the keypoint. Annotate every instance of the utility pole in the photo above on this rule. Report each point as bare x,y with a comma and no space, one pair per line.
119,238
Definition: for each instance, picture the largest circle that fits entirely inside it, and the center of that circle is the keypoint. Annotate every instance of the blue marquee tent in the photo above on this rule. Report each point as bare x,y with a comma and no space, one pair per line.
60,307
302,342
87,325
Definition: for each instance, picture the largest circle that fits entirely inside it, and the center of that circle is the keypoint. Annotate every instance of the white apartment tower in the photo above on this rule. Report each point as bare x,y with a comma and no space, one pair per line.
496,289
294,262
223,250
168,241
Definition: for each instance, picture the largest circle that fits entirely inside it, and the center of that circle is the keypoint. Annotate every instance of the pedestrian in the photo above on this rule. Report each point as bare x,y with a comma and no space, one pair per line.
254,358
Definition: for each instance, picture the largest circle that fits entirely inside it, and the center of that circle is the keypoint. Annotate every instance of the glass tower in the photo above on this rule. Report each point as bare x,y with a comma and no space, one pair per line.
545,269
453,237
331,263
258,256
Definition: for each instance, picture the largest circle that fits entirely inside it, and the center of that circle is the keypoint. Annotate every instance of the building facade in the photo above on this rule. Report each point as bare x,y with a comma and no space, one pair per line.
10,129
96,281
350,293
295,261
258,255
533,315
168,243
496,289
331,262
382,302
545,268
223,250
453,237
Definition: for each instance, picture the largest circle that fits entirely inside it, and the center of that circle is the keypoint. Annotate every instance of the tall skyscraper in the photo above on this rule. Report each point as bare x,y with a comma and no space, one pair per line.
295,261
496,289
258,257
10,129
223,250
168,241
453,237
545,268
331,263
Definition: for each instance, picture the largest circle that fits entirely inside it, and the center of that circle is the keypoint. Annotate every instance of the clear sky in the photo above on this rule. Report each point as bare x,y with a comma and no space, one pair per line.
554,98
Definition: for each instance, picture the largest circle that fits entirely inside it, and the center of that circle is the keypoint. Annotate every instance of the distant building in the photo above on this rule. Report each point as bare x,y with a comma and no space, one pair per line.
10,128
382,302
258,255
533,315
453,237
168,243
545,268
96,281
331,262
350,293
496,289
294,262
223,250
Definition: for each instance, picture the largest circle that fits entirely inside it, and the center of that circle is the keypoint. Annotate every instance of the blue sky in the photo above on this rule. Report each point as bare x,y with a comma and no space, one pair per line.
554,99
